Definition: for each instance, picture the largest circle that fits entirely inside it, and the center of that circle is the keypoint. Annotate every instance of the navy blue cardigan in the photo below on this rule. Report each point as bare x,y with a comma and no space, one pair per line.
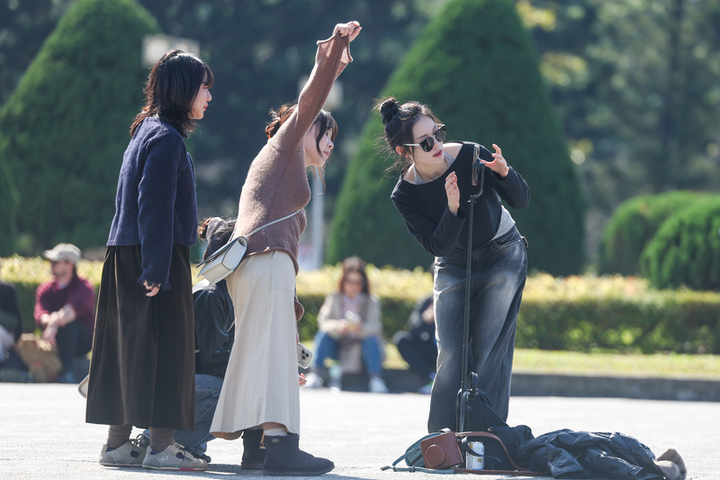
155,205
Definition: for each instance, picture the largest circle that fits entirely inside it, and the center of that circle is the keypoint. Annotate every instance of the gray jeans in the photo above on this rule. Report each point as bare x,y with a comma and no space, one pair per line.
499,269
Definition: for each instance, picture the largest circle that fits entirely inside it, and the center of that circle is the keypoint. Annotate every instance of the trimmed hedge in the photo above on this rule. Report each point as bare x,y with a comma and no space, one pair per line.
634,223
617,314
612,314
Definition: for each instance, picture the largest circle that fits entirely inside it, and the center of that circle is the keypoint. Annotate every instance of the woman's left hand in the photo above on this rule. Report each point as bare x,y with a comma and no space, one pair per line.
499,165
351,29
152,291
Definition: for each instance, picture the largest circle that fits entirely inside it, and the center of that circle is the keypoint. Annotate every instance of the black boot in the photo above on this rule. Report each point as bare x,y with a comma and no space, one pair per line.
253,456
284,458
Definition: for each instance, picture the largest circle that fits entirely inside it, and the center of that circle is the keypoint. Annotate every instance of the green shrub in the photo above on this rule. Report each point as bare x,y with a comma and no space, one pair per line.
476,67
633,224
616,314
584,314
686,249
64,129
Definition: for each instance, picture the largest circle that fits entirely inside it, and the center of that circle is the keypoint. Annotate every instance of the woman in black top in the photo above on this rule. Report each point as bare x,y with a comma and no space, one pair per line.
432,196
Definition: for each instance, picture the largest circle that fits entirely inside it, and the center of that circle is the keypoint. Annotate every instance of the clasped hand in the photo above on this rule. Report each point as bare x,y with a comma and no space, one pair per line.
351,29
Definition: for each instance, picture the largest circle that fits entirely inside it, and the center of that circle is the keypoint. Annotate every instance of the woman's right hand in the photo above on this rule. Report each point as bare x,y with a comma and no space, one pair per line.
351,29
453,193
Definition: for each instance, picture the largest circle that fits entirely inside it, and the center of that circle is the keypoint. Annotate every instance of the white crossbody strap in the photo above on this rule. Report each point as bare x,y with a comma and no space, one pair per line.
270,223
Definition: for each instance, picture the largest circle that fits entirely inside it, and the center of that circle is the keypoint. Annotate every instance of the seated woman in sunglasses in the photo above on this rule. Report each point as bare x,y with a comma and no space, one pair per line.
432,196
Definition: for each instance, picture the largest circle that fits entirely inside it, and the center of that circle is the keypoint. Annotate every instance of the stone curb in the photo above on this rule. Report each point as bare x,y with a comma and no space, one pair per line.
649,388
531,384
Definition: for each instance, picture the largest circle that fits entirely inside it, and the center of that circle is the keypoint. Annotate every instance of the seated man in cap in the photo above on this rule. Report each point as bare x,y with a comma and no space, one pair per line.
65,309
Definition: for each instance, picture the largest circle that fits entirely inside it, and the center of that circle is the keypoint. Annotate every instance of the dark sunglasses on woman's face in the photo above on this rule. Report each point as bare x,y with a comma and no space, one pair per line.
440,135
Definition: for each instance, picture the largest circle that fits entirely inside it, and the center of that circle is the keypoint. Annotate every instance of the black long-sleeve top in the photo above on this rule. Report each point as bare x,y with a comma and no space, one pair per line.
427,216
214,331
9,305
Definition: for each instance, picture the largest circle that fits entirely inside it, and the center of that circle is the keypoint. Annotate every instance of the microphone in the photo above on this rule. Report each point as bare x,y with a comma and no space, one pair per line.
477,165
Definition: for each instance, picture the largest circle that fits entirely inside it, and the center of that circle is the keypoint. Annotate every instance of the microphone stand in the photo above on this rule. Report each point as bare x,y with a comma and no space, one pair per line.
478,169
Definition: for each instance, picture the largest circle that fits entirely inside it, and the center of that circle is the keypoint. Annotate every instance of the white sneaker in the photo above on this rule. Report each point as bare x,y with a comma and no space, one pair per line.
129,454
377,385
314,381
174,457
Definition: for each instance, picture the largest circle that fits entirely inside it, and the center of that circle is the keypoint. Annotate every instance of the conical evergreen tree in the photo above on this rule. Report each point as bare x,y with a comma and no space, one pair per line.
64,129
476,67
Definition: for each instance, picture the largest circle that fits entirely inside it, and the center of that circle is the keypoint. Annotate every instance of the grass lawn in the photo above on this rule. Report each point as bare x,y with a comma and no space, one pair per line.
575,363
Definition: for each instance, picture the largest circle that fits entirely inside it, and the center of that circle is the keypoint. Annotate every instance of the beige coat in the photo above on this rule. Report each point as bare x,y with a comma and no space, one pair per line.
332,315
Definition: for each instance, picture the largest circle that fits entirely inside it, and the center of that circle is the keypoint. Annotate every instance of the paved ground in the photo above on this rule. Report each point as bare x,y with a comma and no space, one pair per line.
43,435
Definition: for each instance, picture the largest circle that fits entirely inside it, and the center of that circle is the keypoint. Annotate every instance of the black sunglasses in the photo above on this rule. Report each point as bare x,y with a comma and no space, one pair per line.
428,144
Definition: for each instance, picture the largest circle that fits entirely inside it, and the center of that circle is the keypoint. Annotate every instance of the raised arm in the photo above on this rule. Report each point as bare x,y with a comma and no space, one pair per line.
332,57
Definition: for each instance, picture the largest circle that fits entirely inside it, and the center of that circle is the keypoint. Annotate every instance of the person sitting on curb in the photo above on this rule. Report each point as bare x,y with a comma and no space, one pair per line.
65,309
349,317
10,327
418,346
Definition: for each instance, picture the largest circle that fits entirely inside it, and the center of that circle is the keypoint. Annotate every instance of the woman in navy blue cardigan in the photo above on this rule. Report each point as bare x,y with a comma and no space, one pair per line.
142,370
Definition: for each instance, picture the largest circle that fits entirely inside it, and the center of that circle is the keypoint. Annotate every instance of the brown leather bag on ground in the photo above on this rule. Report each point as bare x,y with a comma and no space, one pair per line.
39,356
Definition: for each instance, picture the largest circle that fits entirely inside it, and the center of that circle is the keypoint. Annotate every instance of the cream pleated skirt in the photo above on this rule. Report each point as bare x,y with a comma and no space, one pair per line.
261,382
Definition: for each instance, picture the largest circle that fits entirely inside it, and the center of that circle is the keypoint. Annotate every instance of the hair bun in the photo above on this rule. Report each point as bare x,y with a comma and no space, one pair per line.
388,109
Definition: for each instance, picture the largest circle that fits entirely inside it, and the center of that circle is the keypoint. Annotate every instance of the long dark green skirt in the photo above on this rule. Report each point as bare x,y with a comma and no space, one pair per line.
143,358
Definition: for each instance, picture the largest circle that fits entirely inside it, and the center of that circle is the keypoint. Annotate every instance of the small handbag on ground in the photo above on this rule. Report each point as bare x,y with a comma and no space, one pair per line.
40,357
414,458
227,258
441,451
448,452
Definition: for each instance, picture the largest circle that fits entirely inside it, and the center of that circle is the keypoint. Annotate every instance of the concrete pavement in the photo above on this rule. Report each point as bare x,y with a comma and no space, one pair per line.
43,434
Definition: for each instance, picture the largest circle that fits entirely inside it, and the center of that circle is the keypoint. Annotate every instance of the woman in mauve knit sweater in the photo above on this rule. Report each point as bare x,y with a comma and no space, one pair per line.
261,383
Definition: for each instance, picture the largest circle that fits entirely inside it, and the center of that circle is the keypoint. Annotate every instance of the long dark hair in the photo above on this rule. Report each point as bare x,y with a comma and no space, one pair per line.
172,85
399,121
357,265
